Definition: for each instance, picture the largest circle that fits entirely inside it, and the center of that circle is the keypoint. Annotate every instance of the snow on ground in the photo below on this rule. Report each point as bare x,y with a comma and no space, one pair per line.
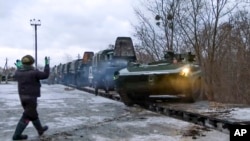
242,114
77,116
229,112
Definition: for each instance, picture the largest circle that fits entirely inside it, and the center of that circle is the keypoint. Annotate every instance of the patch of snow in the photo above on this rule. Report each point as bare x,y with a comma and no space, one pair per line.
99,100
242,114
61,122
155,137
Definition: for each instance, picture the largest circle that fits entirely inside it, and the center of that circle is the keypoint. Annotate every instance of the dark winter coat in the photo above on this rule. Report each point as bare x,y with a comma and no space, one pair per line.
28,80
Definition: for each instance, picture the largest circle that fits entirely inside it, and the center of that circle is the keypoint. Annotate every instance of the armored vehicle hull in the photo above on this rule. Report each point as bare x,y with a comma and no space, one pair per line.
137,83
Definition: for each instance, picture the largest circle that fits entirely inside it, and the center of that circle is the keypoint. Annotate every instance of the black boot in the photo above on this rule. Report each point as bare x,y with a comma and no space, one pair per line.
22,124
40,129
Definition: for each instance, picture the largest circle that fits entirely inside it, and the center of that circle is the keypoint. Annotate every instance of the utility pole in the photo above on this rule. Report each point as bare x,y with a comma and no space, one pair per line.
35,23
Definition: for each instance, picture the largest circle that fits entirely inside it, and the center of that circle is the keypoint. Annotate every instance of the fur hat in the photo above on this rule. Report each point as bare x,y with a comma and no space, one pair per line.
28,60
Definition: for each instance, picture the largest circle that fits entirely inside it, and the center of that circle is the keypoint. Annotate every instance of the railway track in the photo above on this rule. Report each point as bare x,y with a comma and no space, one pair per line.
190,112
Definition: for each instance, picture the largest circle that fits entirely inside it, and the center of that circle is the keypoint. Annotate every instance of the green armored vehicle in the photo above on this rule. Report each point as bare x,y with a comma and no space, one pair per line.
177,74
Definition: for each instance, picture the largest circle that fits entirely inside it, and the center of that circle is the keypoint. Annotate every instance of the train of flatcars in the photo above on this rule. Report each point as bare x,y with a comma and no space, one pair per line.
95,70
116,69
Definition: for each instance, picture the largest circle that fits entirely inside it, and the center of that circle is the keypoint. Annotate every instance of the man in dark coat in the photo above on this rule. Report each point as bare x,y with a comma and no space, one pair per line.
28,79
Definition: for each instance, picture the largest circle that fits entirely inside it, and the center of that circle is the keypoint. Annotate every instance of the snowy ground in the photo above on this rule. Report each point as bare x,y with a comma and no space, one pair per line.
228,112
74,115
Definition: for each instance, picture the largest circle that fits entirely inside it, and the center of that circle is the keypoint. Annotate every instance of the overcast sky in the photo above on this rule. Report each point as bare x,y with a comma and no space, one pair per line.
68,27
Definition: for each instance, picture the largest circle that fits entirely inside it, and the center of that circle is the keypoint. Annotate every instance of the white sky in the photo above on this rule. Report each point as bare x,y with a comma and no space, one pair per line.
68,27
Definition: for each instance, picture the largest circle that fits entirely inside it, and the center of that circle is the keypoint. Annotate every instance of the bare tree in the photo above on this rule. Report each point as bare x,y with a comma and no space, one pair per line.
147,35
156,32
142,56
200,21
220,42
236,60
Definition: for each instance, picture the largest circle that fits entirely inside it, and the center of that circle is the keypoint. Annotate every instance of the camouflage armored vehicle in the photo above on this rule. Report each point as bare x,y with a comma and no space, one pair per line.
100,71
72,71
82,69
106,62
177,74
65,73
59,74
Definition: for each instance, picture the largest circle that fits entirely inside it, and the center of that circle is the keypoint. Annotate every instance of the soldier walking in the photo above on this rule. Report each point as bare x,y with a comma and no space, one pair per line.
29,90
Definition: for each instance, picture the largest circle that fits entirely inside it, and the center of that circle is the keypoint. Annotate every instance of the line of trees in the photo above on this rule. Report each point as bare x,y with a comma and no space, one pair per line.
217,31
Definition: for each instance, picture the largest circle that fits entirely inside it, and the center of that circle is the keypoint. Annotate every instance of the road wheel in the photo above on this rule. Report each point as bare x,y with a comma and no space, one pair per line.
126,98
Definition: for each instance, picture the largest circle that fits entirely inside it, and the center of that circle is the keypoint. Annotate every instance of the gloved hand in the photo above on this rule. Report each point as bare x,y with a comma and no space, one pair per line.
18,64
46,60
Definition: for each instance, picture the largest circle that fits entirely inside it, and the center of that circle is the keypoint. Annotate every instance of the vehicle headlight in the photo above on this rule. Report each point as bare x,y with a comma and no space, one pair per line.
185,72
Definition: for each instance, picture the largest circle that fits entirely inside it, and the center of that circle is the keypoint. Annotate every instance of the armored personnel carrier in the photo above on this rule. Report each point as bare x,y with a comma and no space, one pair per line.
108,61
82,70
177,74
